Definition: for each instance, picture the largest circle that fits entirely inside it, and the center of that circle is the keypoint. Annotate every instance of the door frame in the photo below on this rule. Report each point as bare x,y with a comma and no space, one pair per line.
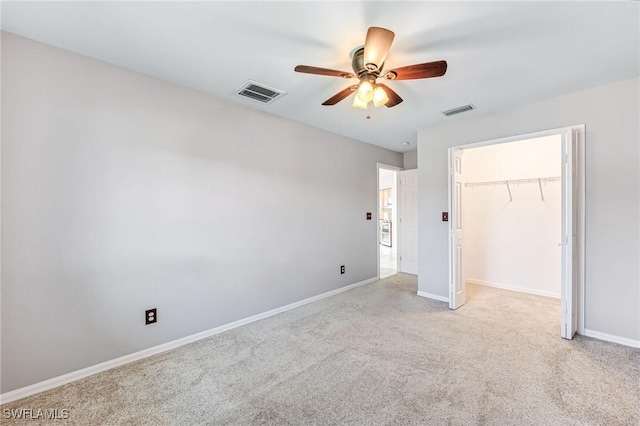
377,215
456,270
578,162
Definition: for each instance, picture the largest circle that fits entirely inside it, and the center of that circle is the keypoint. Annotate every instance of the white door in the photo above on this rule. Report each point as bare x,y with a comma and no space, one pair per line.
408,241
456,276
569,280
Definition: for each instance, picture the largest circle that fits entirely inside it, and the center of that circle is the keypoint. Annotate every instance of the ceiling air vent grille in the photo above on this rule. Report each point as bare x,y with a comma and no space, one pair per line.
260,92
458,110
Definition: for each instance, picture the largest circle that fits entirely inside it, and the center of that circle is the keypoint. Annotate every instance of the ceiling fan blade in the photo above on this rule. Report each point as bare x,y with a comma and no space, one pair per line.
394,98
340,95
412,72
323,71
377,45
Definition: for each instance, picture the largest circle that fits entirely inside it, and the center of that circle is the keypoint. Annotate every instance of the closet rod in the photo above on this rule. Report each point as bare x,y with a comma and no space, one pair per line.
540,181
508,183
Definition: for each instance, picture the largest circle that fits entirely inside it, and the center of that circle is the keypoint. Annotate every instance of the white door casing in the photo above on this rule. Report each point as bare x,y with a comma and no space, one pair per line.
408,218
570,251
456,276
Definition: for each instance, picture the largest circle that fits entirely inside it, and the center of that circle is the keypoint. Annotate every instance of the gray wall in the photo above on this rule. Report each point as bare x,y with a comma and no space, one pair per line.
610,113
121,192
411,160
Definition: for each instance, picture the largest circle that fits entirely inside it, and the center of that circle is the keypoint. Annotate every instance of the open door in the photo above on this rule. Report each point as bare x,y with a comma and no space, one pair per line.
456,276
408,254
570,250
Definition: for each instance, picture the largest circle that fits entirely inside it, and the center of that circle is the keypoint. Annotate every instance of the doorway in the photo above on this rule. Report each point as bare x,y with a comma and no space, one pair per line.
387,221
397,215
543,251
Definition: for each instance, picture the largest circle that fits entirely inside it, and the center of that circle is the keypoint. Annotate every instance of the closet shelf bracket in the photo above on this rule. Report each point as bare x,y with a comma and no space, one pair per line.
540,186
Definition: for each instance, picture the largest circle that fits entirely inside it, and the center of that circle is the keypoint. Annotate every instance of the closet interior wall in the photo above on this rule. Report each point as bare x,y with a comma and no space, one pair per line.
511,213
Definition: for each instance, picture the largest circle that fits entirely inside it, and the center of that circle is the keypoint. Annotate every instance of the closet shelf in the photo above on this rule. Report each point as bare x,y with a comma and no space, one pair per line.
510,182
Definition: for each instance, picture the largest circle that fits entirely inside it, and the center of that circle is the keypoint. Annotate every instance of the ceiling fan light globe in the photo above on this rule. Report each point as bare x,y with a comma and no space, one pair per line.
379,97
365,92
366,98
358,103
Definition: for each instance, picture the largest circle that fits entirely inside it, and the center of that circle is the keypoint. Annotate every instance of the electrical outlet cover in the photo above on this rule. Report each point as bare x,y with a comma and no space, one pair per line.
150,316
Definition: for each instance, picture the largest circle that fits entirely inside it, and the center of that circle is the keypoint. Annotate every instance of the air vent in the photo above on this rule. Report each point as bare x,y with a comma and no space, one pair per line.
458,110
260,92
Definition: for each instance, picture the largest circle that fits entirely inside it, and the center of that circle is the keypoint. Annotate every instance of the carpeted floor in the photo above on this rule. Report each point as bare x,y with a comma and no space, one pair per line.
376,355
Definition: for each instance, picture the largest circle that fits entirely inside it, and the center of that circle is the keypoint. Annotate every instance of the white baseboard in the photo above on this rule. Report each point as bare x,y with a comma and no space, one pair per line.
433,296
611,338
514,288
107,365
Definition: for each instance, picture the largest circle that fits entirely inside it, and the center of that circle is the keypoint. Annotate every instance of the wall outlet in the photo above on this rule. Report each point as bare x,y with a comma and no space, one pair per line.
150,316
445,216
342,270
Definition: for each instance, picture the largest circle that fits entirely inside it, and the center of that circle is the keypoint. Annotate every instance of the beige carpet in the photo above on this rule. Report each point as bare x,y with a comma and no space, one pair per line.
376,355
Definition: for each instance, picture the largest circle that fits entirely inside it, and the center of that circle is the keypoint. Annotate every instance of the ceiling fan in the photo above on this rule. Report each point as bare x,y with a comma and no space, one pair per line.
367,62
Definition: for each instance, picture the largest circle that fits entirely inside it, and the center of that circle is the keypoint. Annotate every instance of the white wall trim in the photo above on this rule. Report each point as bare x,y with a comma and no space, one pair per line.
582,224
514,288
517,138
611,338
433,296
145,353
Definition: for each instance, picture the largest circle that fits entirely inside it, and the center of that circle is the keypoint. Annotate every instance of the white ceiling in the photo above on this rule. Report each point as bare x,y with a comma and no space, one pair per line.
500,54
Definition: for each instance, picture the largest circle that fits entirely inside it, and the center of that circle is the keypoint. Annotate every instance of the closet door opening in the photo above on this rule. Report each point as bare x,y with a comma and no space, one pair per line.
514,226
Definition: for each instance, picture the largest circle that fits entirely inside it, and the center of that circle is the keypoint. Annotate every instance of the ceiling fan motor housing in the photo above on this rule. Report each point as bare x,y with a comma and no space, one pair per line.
361,69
